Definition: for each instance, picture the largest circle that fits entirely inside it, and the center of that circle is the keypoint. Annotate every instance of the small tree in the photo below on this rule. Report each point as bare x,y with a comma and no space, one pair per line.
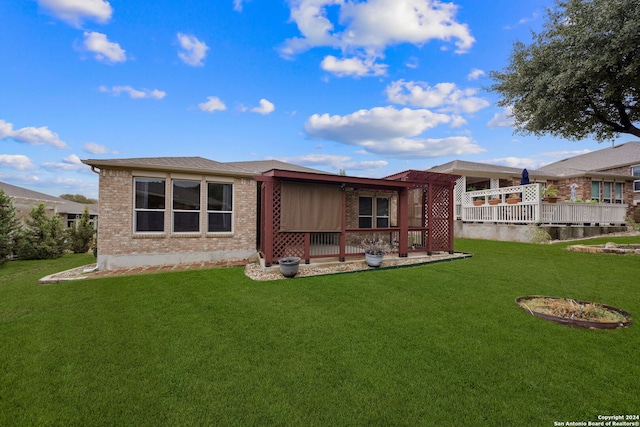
9,227
43,236
81,236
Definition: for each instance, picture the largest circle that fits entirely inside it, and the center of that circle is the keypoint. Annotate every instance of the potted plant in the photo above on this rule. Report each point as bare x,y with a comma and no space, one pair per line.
477,201
550,194
495,201
374,250
514,198
289,266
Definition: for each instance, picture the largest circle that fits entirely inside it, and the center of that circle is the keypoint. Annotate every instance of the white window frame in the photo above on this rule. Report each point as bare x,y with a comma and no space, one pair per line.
213,211
635,172
198,211
596,196
136,209
374,211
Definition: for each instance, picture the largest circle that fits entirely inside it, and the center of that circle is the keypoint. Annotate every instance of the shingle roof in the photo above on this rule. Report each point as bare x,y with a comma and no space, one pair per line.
261,166
458,165
29,196
600,160
193,164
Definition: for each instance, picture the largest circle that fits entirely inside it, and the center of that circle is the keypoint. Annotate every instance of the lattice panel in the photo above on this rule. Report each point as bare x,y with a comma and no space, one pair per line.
284,244
460,189
288,244
439,218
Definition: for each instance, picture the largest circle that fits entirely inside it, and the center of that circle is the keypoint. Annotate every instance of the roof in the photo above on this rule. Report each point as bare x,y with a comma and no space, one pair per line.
596,161
27,196
261,166
596,164
186,164
199,165
462,165
406,179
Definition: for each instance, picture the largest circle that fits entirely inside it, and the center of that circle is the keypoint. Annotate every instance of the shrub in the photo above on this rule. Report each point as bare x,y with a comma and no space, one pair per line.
81,236
43,236
9,227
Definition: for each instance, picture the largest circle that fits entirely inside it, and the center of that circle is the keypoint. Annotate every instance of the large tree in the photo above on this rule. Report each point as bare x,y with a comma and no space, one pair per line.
580,76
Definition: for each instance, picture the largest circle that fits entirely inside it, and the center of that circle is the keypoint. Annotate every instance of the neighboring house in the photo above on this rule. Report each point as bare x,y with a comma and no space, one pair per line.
176,210
25,200
610,175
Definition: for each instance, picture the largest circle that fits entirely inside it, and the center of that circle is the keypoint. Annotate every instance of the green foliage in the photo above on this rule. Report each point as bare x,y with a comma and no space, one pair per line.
537,235
81,236
632,223
437,345
579,77
9,227
79,198
43,236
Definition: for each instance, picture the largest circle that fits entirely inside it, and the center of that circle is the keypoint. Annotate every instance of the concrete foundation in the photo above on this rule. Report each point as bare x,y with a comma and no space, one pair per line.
116,262
522,233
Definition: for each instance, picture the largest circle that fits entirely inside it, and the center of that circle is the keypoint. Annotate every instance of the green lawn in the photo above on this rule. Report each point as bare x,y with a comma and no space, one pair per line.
440,344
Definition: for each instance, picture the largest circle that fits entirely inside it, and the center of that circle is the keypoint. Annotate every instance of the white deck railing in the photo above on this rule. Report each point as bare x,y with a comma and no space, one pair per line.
496,208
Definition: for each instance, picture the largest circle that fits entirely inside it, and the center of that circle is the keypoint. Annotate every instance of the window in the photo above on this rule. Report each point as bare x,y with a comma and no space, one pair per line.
368,206
611,191
635,171
186,206
595,190
365,212
149,205
606,193
618,194
219,207
382,212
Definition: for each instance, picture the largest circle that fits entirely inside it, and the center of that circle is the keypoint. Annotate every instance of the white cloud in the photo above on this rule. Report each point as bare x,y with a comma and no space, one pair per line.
134,93
104,49
352,67
475,74
16,161
213,104
69,163
237,5
94,148
503,119
75,11
390,132
31,135
265,107
446,97
370,27
193,50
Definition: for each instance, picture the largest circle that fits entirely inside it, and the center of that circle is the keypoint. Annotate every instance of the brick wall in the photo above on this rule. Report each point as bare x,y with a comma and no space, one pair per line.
119,246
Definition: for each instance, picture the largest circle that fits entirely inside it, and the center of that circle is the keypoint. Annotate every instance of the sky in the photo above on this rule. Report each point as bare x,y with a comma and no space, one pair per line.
370,87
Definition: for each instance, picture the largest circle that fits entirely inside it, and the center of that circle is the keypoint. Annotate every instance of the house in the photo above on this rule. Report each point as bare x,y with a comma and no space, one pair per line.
25,200
176,210
610,175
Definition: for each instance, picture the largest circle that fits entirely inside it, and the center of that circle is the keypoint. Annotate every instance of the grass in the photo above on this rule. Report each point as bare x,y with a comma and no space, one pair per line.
441,344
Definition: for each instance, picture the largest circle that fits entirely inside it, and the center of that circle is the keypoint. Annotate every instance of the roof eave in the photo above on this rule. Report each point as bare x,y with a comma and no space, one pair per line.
106,164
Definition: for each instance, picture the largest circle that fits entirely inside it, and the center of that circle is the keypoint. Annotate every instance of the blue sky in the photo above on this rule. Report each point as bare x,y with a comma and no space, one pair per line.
373,87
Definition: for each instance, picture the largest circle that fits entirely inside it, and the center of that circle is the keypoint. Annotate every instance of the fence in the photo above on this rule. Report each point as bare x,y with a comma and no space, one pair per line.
523,204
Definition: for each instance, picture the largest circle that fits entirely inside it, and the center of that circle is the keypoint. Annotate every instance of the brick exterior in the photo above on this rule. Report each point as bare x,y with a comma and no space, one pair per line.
120,247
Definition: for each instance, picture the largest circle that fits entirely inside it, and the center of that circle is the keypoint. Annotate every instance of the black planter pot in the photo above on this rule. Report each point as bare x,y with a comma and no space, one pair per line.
289,266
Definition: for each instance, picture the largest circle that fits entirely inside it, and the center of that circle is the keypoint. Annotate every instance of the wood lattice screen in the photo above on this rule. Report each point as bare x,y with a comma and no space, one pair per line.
284,243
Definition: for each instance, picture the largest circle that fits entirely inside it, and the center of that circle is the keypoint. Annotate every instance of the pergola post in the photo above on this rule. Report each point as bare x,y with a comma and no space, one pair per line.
343,229
403,222
267,226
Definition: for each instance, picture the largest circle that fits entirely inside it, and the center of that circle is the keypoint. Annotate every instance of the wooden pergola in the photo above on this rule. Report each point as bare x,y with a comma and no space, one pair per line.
423,207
